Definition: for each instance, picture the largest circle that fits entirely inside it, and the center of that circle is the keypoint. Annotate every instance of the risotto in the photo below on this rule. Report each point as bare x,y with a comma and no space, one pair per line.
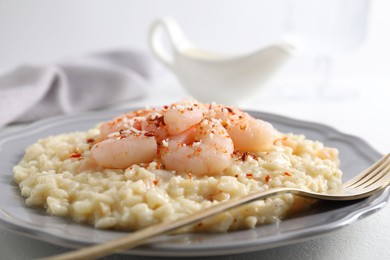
63,175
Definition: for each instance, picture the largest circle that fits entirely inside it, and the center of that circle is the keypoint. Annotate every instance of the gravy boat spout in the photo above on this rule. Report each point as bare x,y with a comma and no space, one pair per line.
209,76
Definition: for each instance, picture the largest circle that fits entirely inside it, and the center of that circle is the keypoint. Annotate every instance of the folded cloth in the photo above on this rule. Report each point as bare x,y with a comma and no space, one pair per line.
33,92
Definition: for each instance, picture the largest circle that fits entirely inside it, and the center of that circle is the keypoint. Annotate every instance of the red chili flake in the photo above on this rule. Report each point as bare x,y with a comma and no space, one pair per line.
122,137
75,155
155,182
267,178
90,140
244,156
165,107
249,175
229,109
158,165
159,121
149,134
287,174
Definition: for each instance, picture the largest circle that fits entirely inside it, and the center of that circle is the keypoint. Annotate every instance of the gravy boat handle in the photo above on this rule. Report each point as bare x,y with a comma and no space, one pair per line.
177,41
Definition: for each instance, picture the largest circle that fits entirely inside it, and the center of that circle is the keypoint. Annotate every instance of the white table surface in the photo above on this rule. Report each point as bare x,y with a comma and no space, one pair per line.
44,31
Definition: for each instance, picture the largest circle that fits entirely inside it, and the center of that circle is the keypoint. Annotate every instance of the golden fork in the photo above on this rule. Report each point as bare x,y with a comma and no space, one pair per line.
370,181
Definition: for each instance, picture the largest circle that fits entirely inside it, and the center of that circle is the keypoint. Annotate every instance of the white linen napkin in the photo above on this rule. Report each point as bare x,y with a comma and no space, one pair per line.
32,92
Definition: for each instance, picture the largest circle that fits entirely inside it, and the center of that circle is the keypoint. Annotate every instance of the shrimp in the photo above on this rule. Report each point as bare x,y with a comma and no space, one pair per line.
253,135
124,149
154,125
203,149
247,133
129,139
124,122
186,137
173,119
179,117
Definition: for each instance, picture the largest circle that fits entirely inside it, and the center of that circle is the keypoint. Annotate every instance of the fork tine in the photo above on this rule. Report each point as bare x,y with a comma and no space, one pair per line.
368,173
373,176
380,173
374,187
379,180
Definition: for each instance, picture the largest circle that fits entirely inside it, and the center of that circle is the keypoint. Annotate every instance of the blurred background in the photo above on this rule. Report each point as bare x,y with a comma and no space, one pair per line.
45,31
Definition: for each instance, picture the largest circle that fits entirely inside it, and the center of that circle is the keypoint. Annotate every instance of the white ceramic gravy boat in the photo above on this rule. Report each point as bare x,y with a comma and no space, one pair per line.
212,77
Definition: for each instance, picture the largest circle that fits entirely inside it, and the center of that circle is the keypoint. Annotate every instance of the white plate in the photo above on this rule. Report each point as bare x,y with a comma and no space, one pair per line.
355,155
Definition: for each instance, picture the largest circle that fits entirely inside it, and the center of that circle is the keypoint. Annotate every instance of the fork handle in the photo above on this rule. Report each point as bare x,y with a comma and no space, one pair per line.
140,237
